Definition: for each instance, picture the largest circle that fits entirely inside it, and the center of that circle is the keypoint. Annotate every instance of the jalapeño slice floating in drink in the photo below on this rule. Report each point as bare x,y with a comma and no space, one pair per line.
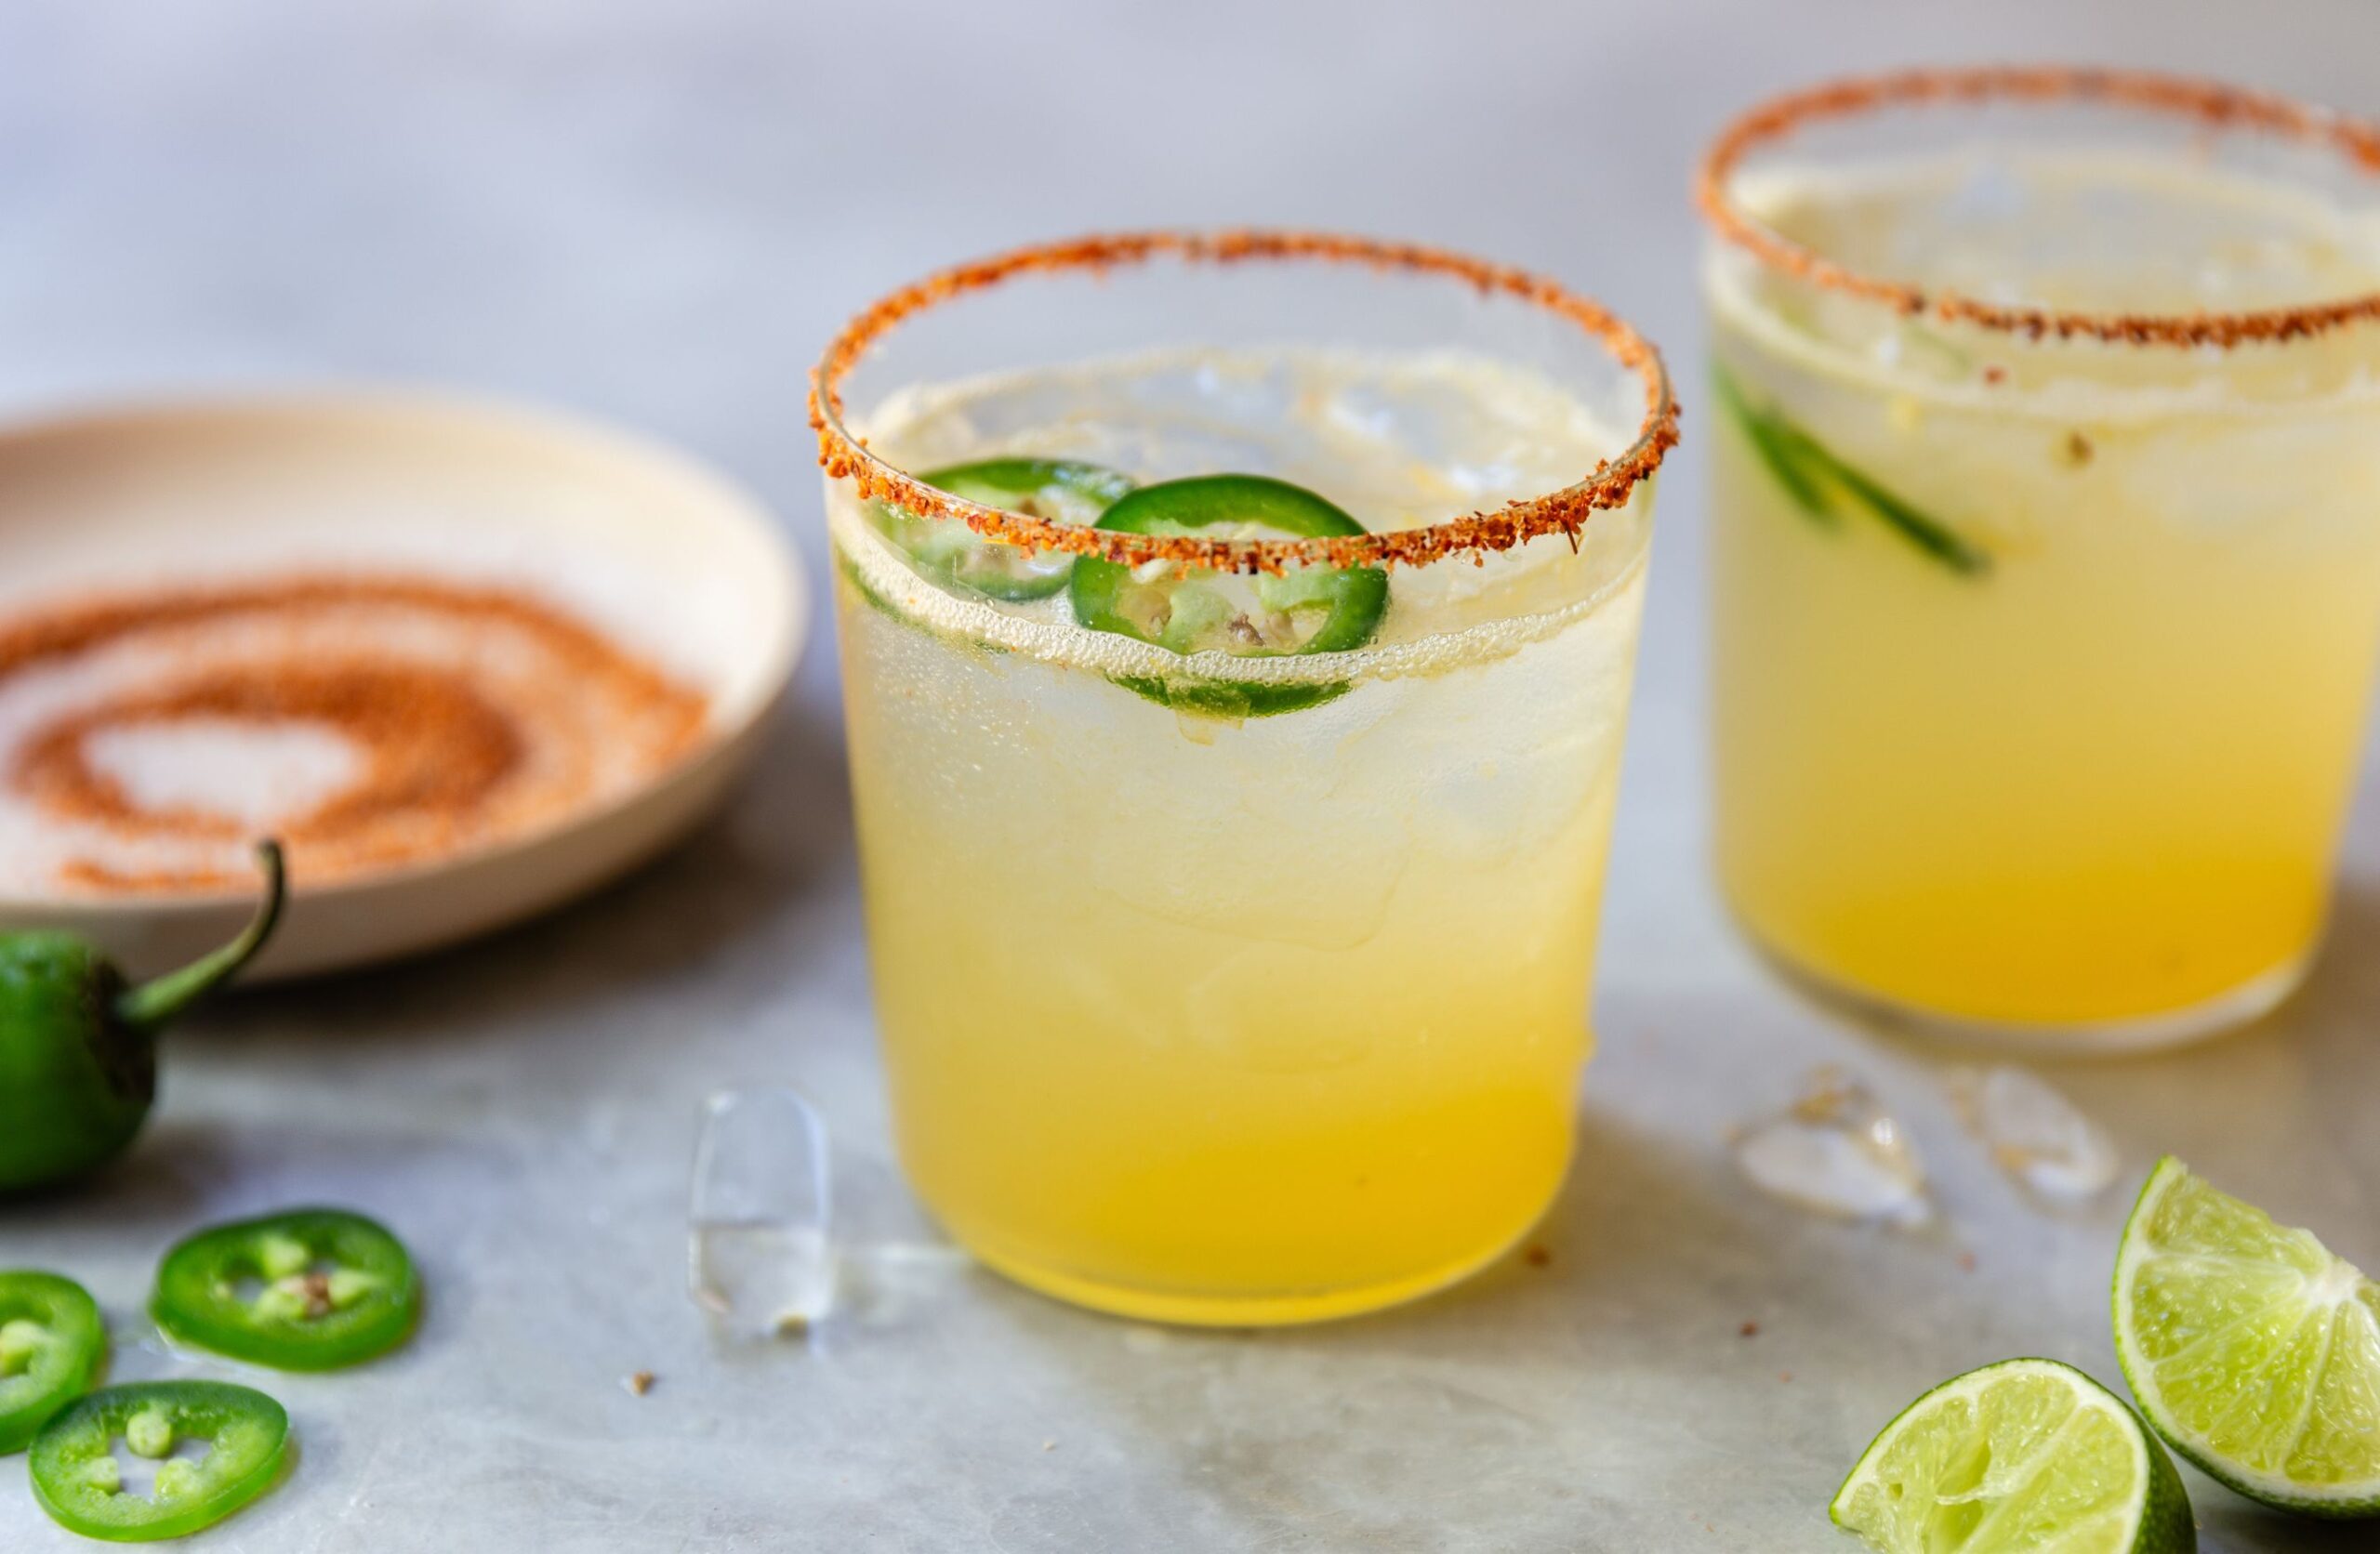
949,552
1309,609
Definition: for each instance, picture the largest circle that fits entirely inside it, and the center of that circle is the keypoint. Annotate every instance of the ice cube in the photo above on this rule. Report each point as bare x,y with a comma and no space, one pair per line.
1836,1151
760,1254
2034,1133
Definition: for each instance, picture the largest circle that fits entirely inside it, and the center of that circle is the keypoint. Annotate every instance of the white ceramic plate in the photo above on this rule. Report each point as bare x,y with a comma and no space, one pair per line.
666,556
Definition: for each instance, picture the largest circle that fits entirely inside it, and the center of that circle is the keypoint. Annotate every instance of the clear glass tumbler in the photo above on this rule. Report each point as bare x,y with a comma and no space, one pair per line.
1232,866
2046,542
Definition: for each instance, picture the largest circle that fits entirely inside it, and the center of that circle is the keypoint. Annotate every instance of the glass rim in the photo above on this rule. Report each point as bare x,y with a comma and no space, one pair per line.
2214,106
845,456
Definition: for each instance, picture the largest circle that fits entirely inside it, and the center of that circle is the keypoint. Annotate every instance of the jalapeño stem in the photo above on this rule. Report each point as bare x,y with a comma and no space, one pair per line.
150,1006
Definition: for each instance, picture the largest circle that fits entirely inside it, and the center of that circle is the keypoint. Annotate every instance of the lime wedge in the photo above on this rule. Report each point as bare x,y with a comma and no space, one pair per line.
2027,1454
2252,1347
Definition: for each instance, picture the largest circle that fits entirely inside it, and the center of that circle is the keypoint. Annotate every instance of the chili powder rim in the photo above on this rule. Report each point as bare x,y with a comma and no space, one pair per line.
845,456
2218,108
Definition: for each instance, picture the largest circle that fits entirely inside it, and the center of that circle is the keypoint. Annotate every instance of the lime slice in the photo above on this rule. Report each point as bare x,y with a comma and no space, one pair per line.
2252,1347
2027,1454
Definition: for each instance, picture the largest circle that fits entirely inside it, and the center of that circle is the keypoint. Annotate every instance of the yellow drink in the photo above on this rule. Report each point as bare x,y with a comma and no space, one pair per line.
2041,669
1243,1021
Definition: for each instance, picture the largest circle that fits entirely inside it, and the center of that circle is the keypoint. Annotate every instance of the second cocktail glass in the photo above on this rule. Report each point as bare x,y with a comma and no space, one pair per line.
2046,542
1232,866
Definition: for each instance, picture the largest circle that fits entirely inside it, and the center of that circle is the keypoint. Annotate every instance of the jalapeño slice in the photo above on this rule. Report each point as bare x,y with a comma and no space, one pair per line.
948,551
1311,610
52,1344
1820,483
79,1482
308,1290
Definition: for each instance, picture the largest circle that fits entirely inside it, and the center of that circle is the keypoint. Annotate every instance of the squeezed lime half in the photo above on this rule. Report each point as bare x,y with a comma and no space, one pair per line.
2027,1454
2251,1346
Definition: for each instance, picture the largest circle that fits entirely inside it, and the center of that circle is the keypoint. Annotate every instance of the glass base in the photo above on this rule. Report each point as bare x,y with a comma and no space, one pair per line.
2100,1039
1278,1308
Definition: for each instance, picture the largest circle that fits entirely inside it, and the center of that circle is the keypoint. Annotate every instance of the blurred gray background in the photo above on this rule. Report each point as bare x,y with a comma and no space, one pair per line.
655,211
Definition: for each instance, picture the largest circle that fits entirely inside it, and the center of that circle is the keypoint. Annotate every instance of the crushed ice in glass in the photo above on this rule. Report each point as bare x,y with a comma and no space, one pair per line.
2042,1140
760,1249
1836,1151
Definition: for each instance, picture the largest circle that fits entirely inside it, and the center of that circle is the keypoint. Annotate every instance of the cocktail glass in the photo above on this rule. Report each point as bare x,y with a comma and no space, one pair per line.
2046,542
1236,976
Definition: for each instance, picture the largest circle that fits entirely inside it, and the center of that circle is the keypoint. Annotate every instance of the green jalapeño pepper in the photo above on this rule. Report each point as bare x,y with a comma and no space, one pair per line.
1309,611
949,552
81,1484
78,1050
52,1344
309,1290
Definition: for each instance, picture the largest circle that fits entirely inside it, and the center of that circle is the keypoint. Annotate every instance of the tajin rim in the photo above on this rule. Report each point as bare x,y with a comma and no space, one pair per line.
2215,106
845,456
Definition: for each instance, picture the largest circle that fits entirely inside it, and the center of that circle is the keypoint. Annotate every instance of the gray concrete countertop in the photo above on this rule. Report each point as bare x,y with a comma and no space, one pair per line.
655,213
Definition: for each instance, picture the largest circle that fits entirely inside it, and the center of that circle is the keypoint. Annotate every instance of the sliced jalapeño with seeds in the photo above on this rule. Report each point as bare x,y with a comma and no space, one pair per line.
307,1290
84,1487
52,1344
1309,609
1066,491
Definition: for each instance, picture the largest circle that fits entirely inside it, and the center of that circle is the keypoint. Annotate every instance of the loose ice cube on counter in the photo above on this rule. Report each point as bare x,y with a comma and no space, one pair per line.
1835,1150
2041,1140
760,1249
